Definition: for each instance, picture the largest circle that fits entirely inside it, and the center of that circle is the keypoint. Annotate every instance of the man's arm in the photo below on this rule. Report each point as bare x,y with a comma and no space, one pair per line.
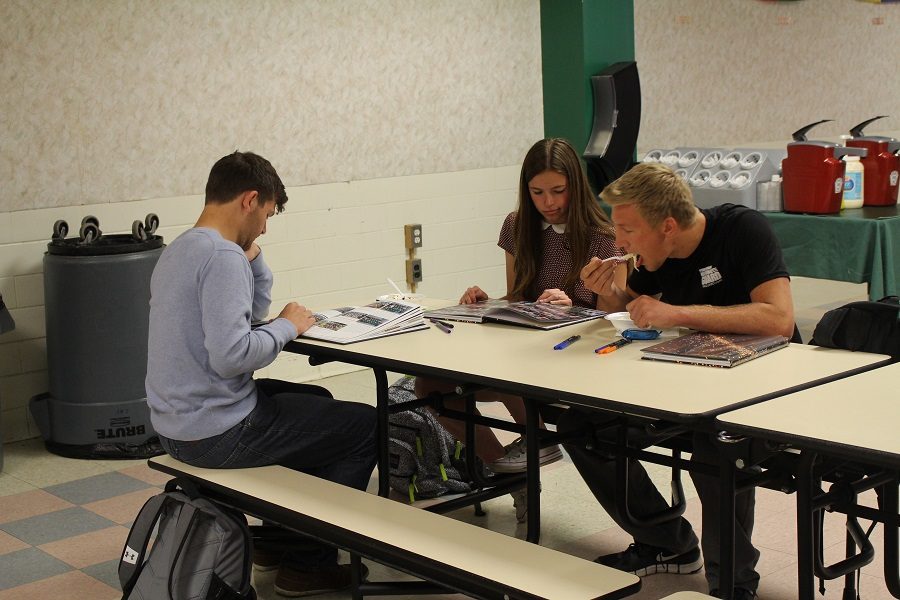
770,312
225,305
262,283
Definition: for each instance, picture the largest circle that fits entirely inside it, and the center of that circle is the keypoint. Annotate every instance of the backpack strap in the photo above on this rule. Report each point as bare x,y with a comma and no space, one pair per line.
186,519
133,556
185,485
827,326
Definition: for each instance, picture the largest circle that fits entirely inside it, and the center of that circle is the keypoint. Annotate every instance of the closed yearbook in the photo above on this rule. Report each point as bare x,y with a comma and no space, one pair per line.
715,349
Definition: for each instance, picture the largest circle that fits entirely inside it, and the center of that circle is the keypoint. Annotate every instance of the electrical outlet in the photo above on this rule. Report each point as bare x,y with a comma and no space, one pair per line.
413,236
413,270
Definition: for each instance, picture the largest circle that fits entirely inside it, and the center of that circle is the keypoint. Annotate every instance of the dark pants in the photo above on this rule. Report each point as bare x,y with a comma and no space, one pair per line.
300,427
676,536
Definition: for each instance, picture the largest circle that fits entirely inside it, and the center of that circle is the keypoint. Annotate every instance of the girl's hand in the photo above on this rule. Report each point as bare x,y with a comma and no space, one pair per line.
472,295
555,296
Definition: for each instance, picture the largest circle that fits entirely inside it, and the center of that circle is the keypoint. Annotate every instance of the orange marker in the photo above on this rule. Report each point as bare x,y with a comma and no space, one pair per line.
612,347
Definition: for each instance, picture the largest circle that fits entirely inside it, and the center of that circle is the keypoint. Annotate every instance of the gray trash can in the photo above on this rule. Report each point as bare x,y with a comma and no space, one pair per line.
6,324
97,307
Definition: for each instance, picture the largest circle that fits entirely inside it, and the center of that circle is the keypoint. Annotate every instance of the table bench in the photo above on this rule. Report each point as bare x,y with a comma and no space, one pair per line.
453,554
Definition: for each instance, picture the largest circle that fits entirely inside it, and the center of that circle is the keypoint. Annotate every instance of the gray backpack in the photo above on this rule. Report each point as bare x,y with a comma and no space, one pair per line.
425,459
202,551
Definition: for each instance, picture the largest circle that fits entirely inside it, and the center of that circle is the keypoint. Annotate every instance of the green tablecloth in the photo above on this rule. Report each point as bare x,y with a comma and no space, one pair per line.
858,245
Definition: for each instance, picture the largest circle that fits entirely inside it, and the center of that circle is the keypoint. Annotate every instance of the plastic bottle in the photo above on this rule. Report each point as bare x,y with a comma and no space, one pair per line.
768,195
774,200
854,182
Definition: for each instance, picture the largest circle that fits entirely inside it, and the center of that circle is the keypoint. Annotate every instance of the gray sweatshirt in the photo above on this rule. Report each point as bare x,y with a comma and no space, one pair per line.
201,350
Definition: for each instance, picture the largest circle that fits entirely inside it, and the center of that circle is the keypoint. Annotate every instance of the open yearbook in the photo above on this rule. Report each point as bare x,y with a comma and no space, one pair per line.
530,314
715,349
350,324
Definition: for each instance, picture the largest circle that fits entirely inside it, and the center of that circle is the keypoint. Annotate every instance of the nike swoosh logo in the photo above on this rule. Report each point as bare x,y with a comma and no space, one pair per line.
662,558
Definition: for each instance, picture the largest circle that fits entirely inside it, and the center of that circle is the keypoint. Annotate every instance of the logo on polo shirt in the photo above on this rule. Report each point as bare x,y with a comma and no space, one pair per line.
709,276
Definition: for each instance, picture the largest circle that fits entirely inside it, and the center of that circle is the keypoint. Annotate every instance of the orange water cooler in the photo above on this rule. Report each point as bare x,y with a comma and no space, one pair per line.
813,174
881,164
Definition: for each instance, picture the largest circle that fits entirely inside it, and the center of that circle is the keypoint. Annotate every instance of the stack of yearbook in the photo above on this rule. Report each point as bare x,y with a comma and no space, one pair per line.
350,324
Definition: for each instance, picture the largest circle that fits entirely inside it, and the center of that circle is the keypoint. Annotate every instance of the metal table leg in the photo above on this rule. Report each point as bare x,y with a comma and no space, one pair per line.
533,471
889,506
383,432
726,526
806,527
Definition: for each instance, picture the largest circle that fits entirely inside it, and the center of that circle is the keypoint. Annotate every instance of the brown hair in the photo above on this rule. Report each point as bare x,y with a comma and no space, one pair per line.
585,215
656,191
240,172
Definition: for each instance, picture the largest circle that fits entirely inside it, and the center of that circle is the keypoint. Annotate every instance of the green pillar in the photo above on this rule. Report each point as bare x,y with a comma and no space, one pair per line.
579,38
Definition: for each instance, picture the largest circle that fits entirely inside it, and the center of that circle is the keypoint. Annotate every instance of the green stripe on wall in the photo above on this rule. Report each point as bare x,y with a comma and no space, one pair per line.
579,38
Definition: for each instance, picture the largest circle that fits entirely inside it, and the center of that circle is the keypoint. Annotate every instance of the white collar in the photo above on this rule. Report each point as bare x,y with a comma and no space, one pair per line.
557,228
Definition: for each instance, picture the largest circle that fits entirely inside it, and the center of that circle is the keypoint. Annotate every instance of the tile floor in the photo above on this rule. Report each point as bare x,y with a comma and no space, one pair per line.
63,522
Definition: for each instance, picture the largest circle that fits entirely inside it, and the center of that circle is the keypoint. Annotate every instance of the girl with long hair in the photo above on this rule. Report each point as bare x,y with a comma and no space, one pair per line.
556,229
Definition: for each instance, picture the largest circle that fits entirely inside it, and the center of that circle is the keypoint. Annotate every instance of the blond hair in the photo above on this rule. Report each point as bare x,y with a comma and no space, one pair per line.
656,191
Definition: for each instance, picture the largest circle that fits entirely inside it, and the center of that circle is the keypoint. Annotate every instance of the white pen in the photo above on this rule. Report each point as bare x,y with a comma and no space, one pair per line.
394,285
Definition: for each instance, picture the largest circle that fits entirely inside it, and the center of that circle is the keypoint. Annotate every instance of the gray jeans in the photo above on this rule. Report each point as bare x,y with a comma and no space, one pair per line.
677,535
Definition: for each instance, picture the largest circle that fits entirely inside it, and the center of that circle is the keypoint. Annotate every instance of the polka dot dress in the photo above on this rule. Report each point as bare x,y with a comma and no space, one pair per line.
557,259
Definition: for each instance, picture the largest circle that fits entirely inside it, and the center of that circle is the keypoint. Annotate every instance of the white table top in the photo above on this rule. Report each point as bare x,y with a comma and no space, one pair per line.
522,360
853,417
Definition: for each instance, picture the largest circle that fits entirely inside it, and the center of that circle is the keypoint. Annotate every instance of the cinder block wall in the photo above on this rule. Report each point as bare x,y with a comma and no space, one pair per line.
334,242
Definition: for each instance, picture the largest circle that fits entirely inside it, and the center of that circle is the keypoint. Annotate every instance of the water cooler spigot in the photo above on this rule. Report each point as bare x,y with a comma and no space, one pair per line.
857,131
800,134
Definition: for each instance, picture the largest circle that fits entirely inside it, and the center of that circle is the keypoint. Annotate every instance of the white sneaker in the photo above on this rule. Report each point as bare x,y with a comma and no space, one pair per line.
515,460
520,503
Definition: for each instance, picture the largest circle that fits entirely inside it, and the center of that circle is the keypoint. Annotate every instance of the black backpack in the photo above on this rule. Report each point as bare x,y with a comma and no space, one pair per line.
202,550
862,326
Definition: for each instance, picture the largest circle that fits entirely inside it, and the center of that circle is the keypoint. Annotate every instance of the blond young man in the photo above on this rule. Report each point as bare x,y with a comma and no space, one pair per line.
718,270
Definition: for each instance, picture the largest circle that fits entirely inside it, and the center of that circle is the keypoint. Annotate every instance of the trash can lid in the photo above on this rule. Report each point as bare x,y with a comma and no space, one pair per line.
105,245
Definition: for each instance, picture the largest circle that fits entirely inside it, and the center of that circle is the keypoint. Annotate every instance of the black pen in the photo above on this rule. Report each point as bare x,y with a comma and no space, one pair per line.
445,327
567,342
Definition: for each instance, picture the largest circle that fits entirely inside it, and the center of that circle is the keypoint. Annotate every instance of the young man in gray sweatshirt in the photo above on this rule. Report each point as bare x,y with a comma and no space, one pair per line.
207,287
